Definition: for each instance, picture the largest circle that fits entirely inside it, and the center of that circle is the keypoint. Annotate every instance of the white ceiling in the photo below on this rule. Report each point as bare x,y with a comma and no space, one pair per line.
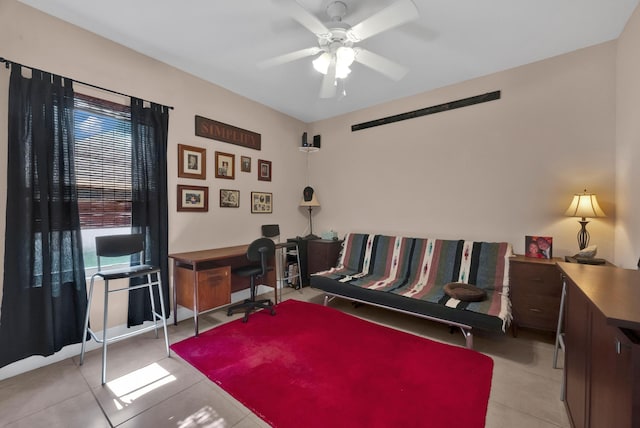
452,41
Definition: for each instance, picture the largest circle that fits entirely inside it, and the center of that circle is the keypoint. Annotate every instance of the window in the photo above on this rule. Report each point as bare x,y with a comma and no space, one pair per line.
103,170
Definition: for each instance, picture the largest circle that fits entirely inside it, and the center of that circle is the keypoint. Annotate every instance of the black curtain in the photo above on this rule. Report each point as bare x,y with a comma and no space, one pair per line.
44,297
149,211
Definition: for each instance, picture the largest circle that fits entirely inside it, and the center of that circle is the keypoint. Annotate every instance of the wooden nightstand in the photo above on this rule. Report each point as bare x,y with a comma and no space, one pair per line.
535,289
323,254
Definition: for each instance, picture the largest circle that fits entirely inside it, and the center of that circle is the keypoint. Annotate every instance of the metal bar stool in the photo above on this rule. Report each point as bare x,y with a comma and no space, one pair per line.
119,246
286,273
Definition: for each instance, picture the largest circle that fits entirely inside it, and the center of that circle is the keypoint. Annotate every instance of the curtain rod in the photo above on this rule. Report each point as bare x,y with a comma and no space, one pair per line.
9,63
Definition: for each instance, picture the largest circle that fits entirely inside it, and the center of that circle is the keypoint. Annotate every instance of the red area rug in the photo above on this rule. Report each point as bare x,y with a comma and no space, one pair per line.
314,366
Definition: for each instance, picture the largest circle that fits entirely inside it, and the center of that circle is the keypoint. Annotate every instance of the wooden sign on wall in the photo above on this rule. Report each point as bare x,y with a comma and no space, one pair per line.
215,130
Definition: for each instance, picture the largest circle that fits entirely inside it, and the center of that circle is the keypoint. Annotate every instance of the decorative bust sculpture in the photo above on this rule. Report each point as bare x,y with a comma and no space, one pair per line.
307,193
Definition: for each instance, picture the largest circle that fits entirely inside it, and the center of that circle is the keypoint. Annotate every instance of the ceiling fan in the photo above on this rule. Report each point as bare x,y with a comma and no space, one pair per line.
337,41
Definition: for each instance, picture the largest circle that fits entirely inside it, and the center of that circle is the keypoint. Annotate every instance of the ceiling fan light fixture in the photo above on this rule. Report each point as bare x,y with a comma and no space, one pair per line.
321,64
344,58
342,72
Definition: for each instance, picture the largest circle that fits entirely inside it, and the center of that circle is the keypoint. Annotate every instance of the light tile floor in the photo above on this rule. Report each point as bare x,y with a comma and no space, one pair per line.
147,389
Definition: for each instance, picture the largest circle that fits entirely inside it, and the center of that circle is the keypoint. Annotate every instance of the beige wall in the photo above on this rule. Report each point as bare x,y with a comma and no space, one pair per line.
493,171
627,236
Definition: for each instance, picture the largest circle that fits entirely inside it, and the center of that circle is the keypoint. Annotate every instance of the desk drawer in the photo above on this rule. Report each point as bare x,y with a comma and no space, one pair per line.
214,287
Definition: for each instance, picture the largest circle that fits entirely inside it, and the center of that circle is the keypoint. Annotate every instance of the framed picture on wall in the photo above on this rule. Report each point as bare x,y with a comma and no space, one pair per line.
193,198
261,203
539,247
225,165
264,170
229,198
192,162
245,164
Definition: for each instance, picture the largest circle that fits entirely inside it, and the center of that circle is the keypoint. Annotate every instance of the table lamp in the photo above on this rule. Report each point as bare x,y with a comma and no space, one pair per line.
584,205
310,201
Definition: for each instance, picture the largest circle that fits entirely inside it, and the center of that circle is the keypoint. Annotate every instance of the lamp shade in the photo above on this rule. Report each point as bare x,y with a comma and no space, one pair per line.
311,203
584,205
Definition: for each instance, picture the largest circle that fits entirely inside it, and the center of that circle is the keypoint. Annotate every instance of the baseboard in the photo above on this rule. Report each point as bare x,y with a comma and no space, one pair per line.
70,351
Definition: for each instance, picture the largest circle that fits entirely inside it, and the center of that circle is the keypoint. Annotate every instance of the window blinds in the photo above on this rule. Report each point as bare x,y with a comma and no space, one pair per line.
103,162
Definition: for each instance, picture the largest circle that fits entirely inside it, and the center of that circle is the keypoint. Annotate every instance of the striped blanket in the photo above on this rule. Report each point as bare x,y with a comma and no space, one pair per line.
419,268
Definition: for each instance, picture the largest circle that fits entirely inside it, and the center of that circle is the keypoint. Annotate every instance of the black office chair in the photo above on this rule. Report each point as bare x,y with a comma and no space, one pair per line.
260,250
119,246
288,262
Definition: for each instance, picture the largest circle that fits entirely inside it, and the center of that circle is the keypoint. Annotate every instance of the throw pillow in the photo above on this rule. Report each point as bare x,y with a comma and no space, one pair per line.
465,292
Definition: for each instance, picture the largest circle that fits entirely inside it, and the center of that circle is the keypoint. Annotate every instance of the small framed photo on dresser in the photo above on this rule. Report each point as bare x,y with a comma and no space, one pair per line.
538,247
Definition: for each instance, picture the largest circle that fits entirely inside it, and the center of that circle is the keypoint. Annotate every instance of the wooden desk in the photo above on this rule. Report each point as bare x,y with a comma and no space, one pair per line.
202,280
602,338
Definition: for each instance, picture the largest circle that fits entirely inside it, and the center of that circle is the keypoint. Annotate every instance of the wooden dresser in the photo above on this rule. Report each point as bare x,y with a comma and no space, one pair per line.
323,254
535,289
602,346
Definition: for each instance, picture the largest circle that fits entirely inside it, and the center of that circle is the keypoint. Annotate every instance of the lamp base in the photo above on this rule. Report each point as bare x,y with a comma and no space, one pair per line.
583,235
310,235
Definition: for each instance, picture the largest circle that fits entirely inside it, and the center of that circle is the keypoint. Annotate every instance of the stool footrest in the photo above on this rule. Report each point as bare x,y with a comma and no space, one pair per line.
134,287
135,332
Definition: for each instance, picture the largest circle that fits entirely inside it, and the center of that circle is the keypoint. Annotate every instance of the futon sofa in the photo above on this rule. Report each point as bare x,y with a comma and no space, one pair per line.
409,275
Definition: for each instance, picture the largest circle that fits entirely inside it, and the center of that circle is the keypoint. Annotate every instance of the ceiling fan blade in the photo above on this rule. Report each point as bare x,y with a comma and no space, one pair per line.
304,17
380,64
328,89
398,13
291,56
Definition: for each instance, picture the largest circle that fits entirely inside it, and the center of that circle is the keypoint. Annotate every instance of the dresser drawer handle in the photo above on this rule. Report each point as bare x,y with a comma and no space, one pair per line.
537,279
535,310
620,345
